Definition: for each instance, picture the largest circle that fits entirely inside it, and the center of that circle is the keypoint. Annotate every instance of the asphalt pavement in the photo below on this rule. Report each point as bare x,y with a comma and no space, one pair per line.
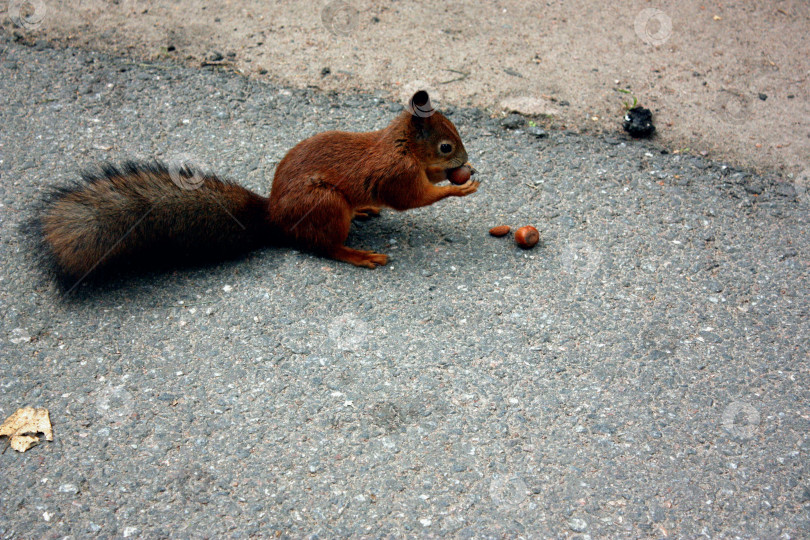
640,373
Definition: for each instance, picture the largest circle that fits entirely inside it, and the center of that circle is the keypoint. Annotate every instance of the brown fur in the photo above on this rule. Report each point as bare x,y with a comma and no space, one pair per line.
326,180
136,216
141,213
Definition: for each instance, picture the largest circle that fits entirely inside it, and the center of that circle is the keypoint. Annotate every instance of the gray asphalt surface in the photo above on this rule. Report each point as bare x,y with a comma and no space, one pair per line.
641,373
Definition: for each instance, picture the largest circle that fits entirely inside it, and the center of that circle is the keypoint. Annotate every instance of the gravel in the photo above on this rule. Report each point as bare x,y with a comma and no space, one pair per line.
641,372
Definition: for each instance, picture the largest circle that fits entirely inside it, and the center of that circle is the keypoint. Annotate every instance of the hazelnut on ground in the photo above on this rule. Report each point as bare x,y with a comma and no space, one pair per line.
527,237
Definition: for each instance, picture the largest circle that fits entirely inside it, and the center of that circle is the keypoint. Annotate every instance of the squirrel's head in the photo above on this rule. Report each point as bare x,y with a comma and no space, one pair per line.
434,138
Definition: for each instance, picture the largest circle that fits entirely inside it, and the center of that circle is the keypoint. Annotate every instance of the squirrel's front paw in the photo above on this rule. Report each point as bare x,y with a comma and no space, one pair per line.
467,189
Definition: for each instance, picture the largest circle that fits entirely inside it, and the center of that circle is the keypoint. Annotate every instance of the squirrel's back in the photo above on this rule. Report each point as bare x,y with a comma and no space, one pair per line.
147,215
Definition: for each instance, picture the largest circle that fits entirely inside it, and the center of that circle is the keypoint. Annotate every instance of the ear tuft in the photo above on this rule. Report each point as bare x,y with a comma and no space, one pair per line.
420,105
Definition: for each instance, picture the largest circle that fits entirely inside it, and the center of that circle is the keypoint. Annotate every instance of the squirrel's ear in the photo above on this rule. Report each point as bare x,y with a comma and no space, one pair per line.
420,104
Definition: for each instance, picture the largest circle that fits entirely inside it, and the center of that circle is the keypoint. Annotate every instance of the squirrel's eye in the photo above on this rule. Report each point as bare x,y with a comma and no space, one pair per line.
446,148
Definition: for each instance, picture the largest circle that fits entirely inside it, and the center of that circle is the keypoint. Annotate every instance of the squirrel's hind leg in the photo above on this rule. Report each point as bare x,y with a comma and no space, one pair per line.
324,228
366,212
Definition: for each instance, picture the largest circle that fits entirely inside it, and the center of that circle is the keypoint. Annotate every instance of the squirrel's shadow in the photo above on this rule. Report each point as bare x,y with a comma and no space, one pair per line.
145,284
142,285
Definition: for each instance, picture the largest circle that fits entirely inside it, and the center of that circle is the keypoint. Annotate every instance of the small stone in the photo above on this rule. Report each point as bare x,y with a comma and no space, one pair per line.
20,335
69,488
326,71
577,524
762,96
785,190
513,121
711,337
754,186
714,286
537,132
604,428
215,56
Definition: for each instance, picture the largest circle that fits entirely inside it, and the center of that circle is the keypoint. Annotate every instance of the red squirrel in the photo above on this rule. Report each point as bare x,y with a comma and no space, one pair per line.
146,214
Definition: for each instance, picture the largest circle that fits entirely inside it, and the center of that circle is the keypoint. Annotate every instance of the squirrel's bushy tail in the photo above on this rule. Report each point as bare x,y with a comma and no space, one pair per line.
147,215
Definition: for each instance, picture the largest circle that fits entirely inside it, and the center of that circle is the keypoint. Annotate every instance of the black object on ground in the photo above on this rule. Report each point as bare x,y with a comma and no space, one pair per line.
638,122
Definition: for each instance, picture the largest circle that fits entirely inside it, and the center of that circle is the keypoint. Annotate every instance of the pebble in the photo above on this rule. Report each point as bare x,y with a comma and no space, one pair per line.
540,133
714,286
577,524
513,121
754,186
711,337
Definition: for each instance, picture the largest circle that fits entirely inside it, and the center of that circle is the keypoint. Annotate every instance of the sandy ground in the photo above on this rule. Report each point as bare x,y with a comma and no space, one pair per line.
727,80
